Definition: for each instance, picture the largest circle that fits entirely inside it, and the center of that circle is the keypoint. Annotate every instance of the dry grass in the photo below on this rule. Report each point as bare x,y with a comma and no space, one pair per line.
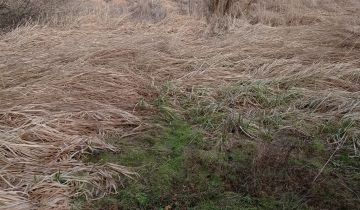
274,12
66,83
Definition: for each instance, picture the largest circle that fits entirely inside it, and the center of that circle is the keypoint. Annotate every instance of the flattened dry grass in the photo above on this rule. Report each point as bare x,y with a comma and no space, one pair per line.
56,106
63,87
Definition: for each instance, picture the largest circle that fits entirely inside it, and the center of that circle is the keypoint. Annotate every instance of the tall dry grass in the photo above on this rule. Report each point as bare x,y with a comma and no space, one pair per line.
69,81
274,12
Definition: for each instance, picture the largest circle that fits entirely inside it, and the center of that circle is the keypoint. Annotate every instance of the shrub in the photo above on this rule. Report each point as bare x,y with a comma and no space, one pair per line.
149,10
18,12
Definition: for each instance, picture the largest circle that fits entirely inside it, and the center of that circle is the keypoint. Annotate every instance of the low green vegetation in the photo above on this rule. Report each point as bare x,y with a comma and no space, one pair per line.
245,146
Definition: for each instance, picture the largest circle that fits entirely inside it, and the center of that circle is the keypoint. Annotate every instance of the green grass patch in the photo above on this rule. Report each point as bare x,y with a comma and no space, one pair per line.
244,146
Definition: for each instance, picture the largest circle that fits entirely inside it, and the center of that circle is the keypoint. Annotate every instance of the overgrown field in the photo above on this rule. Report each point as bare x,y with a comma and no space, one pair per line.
180,104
